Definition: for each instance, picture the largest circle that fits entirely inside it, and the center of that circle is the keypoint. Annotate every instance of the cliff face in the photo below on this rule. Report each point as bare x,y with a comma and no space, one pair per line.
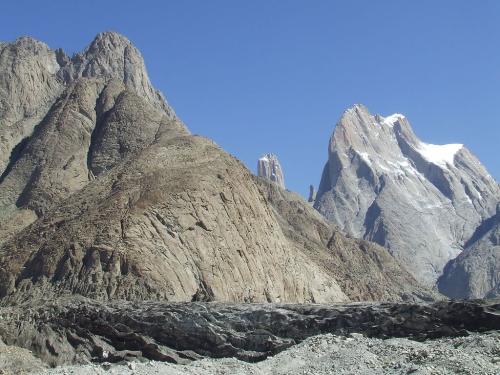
475,273
109,196
421,201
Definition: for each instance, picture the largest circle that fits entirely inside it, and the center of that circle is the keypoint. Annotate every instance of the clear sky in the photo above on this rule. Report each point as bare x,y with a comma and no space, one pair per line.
274,76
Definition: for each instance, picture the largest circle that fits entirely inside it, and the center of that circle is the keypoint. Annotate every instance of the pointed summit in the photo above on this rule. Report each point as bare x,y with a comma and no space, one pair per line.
421,201
269,168
112,56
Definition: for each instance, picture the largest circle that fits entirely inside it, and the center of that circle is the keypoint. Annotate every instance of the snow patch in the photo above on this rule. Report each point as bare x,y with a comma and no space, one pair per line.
366,158
392,119
441,155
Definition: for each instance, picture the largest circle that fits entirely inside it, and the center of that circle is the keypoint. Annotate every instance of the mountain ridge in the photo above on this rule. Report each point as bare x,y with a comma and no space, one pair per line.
379,174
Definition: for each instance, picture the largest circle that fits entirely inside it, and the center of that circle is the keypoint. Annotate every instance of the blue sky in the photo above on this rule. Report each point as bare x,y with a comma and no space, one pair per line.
274,76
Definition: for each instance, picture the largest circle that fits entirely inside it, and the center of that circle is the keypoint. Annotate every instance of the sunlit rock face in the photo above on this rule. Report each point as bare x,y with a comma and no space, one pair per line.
269,167
420,201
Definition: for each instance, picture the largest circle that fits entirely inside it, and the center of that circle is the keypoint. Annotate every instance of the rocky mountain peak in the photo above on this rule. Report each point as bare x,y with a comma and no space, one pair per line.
421,201
112,56
269,167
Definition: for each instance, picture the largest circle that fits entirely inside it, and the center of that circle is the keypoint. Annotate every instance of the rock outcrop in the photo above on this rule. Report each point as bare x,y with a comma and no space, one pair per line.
421,201
269,167
475,273
312,194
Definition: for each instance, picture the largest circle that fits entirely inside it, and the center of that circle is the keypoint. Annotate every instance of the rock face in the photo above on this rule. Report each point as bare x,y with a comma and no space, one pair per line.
269,167
28,87
421,201
475,273
110,197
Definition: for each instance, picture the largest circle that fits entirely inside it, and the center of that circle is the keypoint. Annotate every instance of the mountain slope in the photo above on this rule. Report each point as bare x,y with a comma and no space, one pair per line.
475,273
420,201
364,270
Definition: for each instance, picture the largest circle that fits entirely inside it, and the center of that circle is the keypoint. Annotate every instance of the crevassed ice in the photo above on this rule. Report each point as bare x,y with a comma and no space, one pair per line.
442,155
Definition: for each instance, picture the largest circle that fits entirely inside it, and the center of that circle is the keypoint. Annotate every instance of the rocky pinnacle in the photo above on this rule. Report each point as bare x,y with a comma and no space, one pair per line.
268,166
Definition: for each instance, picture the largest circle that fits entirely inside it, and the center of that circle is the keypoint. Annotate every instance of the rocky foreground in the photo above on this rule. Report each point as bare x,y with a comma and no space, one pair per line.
81,331
329,354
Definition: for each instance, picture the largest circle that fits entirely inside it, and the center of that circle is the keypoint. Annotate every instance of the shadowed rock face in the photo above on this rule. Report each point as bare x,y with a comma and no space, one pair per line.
422,202
475,273
74,330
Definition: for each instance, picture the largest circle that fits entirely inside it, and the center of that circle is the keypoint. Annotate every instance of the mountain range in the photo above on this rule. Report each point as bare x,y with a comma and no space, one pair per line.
106,194
124,237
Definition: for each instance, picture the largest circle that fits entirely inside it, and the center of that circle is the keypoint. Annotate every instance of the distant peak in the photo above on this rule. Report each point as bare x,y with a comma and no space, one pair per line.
269,167
357,108
111,36
108,41
30,43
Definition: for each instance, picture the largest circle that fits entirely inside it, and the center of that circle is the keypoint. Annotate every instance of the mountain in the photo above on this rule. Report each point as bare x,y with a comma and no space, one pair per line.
269,167
107,195
475,273
420,201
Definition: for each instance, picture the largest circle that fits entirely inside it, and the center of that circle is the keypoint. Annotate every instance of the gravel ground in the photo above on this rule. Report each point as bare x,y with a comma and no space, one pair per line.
328,354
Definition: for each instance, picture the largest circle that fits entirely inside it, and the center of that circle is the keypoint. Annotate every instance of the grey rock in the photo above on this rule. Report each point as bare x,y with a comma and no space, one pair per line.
28,87
422,202
112,56
312,194
475,273
269,167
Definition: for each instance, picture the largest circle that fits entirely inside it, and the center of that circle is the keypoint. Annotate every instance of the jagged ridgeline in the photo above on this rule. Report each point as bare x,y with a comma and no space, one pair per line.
425,203
105,193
